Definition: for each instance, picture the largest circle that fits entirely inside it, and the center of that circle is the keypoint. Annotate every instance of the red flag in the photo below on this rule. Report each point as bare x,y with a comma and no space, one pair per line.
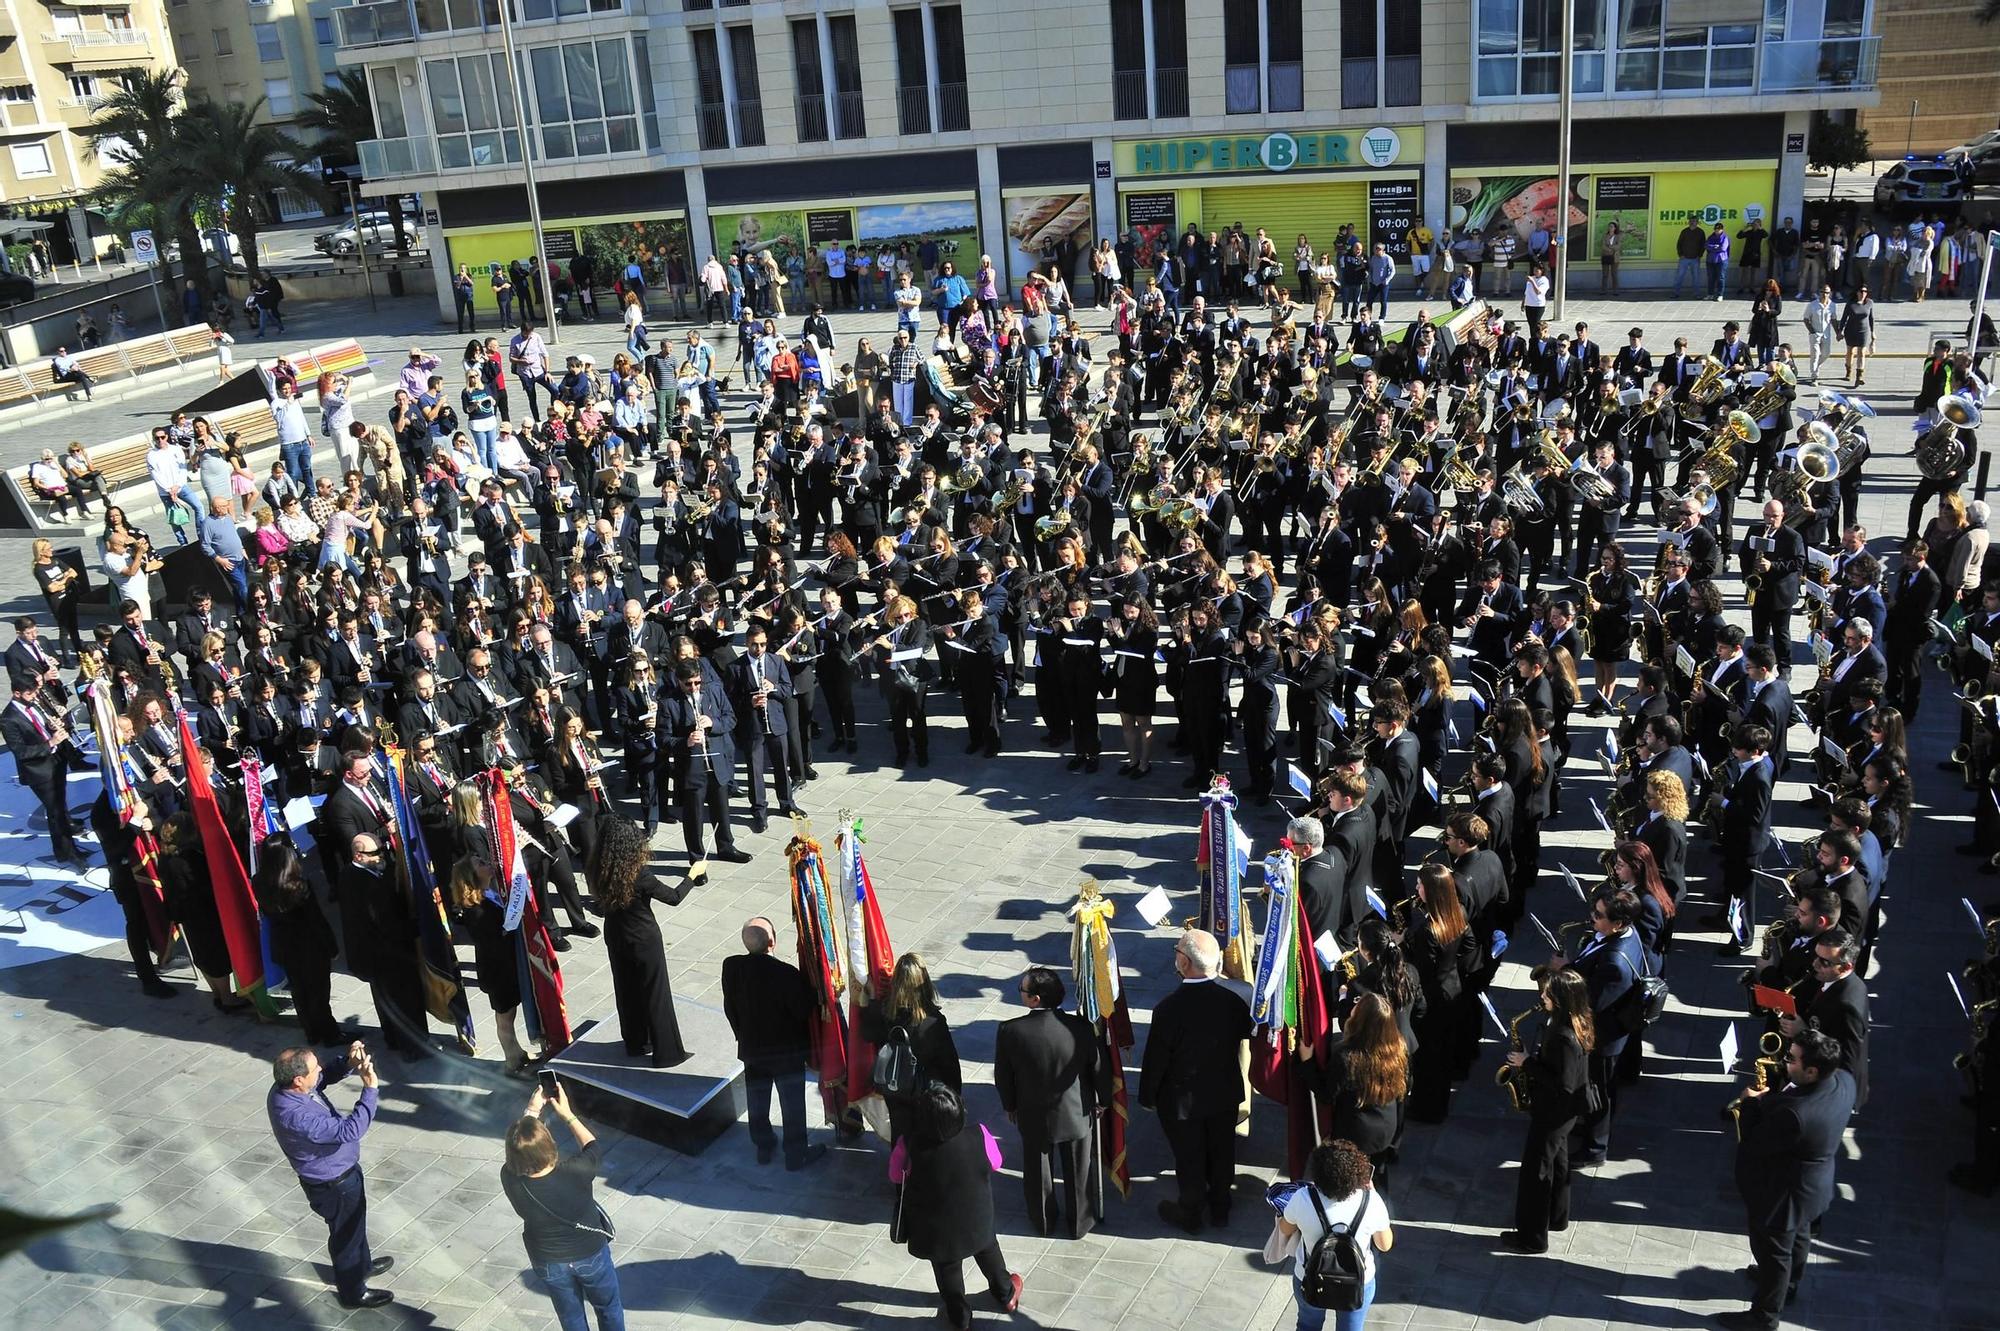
548,1018
870,961
1117,1029
235,903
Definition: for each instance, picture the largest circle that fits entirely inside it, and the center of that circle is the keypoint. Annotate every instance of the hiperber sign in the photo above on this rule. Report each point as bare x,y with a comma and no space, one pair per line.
1331,151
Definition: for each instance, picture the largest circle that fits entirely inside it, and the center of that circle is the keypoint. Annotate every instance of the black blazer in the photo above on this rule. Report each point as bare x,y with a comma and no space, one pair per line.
1330,906
1746,823
1398,761
1556,1071
1353,839
768,1006
38,763
1790,1139
1841,1011
1045,1067
1498,811
1771,709
344,816
1190,1068
1667,838
1908,620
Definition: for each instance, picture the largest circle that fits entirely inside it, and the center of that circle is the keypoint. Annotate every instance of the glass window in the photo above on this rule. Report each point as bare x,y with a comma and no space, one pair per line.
1499,30
222,43
278,97
323,30
82,85
1128,37
912,64
31,160
390,122
270,46
447,102
948,36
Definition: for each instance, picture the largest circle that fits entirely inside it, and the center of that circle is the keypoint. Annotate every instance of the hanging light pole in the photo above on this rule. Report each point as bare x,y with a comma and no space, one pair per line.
528,171
1565,97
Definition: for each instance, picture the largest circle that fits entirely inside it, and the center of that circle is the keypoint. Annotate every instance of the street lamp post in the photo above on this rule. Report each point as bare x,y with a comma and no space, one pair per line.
1565,97
1979,301
528,172
360,239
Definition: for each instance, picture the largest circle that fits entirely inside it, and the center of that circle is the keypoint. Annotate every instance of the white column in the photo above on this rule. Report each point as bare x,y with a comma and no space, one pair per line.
1103,193
701,236
725,54
1146,22
992,212
832,92
1437,177
931,73
1263,56
1792,172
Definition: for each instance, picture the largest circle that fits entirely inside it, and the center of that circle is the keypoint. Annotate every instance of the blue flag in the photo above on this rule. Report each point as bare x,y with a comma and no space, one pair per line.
444,987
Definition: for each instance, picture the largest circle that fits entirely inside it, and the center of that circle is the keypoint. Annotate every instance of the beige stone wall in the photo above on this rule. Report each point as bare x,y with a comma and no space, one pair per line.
55,118
1935,54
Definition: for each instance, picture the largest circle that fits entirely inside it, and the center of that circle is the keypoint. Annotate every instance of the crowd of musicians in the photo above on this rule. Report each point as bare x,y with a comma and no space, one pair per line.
1397,563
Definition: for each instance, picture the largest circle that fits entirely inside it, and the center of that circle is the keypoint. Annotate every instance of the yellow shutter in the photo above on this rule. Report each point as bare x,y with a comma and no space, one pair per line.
1317,208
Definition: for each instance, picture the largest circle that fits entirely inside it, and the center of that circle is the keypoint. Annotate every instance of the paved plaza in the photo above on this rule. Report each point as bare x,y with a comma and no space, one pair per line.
158,1107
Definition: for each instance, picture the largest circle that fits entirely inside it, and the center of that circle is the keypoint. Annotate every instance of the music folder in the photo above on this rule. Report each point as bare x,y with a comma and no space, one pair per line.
1773,1000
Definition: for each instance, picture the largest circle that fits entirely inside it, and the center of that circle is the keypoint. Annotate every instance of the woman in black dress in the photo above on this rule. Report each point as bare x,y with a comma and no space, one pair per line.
1442,951
626,889
1367,1081
573,769
1134,634
477,899
190,900
945,1207
1553,1077
799,650
1610,613
912,1008
302,942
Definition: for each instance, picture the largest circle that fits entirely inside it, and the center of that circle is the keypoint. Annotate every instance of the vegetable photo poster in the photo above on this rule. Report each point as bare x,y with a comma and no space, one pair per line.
1524,204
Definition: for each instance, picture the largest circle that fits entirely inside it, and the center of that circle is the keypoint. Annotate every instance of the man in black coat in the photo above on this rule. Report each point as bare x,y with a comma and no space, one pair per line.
1787,1141
768,1006
695,724
1859,660
1907,629
1767,702
1047,1070
379,932
1496,614
1777,554
1191,1075
758,685
429,711
1746,825
1323,886
1350,834
352,808
42,751
1396,753
1483,890
1836,1005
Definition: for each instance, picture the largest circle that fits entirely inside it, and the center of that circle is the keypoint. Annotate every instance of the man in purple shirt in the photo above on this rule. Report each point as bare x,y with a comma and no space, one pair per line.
324,1146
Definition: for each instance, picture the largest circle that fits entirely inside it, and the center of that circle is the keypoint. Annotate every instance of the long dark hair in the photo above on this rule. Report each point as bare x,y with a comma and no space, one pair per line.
1394,979
622,853
1570,997
280,880
1646,874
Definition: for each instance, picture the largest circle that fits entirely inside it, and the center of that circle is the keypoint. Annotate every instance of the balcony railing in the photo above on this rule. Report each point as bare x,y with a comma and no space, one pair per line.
95,41
954,108
712,122
1128,94
1845,63
1170,91
749,122
913,110
849,121
809,110
90,103
384,158
375,24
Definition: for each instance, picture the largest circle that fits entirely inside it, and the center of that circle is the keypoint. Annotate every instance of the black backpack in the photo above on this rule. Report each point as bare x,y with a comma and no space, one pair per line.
1335,1275
897,1075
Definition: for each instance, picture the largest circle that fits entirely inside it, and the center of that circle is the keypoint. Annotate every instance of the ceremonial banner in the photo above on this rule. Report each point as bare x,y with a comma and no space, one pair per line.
262,828
235,903
1220,858
819,962
547,1017
870,958
119,780
1291,1012
444,986
1100,1000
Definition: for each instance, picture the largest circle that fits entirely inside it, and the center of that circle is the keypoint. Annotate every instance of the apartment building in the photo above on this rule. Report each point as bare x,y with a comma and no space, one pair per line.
1024,129
57,62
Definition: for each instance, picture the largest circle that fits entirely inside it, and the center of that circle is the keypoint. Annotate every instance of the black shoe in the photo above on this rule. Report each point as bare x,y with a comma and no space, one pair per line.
1090,764
767,1153
758,822
972,746
1746,1319
993,749
1174,1214
812,1154
1521,1243
1734,947
380,1265
585,929
812,774
229,1005
370,1298
558,942
1075,763
158,989
733,856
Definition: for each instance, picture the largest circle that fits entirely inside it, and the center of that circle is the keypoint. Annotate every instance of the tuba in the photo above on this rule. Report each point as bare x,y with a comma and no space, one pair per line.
1708,388
1517,492
1770,395
1940,451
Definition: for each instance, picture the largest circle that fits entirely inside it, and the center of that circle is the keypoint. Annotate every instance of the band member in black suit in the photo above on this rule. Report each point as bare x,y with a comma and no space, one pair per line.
135,647
1323,885
1350,833
1483,891
759,683
981,671
1047,1071
1664,829
429,711
379,936
43,754
1745,783
1191,1076
906,673
1859,660
1767,702
1914,597
768,1006
1836,1004
1395,753
1611,961
25,659
1788,1138
199,621
1496,613
696,722
1552,1078
352,808
1602,510
1776,554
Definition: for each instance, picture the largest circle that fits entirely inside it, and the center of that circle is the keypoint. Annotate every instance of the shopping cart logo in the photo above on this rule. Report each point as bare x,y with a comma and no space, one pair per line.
1381,146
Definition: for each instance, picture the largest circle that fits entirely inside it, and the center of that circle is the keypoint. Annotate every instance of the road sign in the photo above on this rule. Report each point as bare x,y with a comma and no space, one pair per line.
143,248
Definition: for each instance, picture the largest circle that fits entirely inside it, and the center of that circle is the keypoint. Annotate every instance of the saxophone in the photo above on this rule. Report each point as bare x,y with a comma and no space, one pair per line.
1770,1058
1511,1077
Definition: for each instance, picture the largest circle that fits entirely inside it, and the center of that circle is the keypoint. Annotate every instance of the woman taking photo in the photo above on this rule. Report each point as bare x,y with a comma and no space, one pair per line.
944,1209
626,889
1338,1189
911,1013
1764,321
60,592
567,1234
1367,1072
1553,1079
1442,951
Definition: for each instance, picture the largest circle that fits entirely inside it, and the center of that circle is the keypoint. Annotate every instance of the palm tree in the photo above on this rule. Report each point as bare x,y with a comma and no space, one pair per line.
343,118
138,132
235,157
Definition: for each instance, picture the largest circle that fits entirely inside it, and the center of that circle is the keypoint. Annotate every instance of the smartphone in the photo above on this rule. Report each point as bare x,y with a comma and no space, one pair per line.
549,1083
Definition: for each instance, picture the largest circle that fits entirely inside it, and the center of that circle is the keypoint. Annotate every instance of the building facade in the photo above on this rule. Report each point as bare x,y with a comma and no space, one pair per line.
1022,130
57,62
1936,56
239,50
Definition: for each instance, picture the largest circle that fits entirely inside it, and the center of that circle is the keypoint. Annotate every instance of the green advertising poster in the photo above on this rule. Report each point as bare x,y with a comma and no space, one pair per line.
953,224
1628,202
